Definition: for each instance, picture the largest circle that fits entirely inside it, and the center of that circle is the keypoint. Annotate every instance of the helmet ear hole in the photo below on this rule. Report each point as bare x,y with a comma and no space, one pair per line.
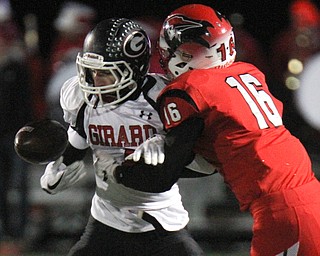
182,64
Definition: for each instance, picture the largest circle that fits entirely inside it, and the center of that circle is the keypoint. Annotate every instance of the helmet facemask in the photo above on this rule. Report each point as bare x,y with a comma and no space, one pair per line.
116,52
121,89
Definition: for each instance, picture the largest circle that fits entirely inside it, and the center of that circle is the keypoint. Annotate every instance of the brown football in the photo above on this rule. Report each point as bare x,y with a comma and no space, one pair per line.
41,142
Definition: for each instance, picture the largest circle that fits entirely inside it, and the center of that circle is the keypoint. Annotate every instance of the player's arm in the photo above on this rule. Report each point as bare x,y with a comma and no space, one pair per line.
69,168
179,143
65,171
73,113
152,152
180,139
73,154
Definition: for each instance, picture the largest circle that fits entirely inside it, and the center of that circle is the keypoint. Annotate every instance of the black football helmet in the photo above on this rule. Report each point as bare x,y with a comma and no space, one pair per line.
121,47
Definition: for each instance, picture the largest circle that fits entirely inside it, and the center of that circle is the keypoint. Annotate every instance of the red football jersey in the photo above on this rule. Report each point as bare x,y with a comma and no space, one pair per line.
243,129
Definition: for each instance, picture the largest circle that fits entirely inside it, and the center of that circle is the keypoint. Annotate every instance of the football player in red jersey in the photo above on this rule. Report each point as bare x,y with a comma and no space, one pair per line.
227,110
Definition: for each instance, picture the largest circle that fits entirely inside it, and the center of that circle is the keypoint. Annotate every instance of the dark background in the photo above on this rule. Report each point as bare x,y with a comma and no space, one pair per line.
263,18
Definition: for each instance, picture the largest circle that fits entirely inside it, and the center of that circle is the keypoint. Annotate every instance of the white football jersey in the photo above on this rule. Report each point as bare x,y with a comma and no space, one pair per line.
118,131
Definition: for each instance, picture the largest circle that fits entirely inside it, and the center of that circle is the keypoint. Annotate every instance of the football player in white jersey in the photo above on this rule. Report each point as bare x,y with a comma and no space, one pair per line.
110,106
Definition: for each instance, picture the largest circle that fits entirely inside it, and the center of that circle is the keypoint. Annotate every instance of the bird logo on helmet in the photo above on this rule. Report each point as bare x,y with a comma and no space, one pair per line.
181,29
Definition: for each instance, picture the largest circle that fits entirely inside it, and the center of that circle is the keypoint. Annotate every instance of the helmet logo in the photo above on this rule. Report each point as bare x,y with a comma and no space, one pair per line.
180,29
135,44
180,24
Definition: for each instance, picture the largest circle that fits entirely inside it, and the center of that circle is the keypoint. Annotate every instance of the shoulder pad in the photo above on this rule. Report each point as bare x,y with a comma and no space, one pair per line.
71,100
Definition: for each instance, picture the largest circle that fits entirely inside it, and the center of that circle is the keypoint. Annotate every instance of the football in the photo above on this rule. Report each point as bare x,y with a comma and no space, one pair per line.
41,142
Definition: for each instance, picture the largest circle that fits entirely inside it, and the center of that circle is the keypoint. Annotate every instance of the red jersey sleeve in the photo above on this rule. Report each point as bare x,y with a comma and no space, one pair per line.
178,102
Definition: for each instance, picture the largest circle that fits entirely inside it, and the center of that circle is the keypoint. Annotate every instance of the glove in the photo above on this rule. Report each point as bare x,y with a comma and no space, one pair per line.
58,177
152,150
104,165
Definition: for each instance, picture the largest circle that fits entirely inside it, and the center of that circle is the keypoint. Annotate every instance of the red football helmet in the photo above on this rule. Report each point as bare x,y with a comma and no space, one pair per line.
195,36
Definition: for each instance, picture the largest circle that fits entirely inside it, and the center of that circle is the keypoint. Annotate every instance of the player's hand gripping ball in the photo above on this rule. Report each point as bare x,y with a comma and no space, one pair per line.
41,142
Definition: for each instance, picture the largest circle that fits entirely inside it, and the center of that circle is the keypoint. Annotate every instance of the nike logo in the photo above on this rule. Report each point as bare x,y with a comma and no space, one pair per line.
51,187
